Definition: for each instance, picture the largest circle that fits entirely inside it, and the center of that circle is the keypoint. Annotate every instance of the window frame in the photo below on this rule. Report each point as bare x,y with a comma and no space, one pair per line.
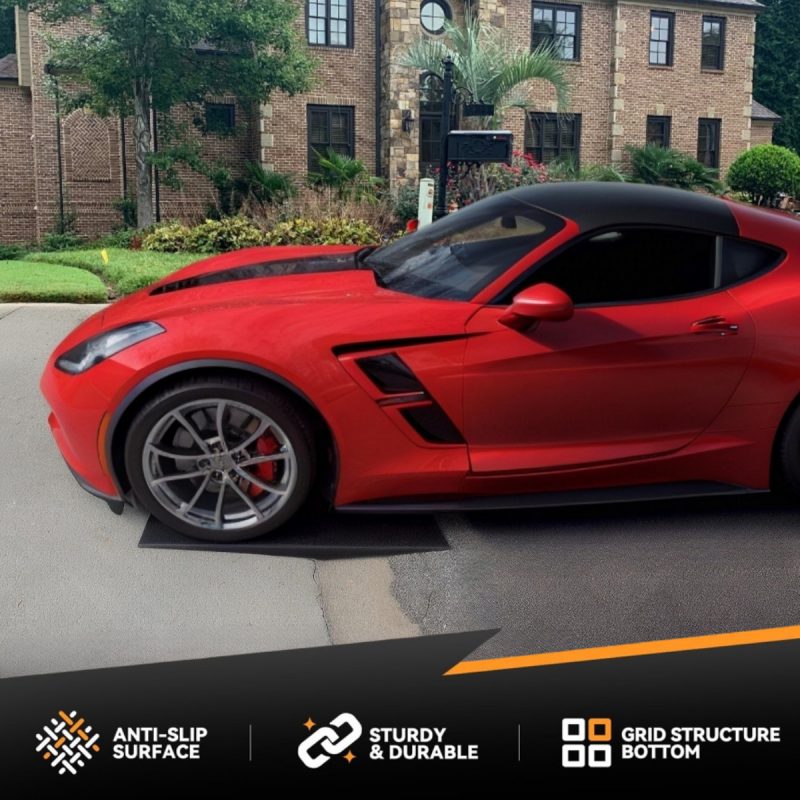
670,17
545,115
554,7
329,109
505,297
720,66
446,10
229,128
350,27
667,131
717,126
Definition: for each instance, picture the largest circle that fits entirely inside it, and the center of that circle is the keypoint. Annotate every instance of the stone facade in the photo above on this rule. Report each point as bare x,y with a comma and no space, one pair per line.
614,89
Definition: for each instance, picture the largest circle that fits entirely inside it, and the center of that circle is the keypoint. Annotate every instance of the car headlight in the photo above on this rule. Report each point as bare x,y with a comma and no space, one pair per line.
104,345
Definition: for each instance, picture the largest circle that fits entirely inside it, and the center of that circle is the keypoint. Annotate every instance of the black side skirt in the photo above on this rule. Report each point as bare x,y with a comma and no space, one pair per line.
584,497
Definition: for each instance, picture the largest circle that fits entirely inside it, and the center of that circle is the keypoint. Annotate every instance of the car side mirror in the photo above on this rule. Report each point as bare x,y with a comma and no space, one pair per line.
538,303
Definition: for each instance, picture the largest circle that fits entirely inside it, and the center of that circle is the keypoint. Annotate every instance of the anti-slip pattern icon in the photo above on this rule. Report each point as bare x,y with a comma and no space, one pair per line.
575,732
332,741
67,742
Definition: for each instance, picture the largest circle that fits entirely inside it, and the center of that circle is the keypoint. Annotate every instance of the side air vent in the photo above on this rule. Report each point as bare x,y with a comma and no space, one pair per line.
390,374
432,424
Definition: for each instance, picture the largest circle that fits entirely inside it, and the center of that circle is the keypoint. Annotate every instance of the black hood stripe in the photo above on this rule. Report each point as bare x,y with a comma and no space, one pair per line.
269,269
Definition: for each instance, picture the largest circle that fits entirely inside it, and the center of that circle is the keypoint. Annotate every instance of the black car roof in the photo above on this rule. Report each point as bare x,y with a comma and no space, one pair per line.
598,205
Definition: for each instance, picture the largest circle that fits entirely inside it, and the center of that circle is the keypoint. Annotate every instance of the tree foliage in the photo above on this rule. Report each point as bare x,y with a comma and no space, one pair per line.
777,72
132,57
486,67
183,49
7,31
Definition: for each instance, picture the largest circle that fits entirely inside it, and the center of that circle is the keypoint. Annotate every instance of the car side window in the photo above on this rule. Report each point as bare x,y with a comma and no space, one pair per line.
625,266
741,259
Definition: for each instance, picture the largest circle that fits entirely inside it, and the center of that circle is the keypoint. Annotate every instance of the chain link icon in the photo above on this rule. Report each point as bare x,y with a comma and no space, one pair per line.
330,740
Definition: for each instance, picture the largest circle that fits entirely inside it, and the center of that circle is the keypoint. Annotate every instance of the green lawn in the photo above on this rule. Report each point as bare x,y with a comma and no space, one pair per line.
127,270
23,281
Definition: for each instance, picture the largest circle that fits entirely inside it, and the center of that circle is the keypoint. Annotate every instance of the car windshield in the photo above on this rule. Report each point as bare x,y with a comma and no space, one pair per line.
458,255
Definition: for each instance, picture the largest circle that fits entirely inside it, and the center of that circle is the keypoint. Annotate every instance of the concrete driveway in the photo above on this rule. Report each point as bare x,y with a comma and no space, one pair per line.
77,592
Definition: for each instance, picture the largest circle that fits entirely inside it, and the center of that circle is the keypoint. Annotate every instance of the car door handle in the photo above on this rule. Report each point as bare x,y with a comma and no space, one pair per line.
715,325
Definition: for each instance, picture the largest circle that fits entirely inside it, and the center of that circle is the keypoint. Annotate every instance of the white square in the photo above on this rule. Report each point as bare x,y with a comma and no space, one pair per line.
573,729
599,755
573,755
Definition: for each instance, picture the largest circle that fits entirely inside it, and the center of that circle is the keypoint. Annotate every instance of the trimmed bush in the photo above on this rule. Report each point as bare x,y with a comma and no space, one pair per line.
170,238
666,167
322,231
234,233
222,235
764,173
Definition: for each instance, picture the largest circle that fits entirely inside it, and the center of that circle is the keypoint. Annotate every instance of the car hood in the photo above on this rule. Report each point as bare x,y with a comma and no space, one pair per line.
256,276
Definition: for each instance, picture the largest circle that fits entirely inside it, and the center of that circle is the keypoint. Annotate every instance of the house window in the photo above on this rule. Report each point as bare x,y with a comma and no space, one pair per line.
558,27
329,128
708,133
220,117
662,24
713,47
330,22
658,130
553,137
433,14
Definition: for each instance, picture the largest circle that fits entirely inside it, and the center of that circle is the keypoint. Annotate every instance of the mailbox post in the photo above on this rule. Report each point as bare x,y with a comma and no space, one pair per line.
447,104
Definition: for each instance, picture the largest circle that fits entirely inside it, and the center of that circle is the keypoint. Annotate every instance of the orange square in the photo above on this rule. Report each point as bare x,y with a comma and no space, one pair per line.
599,729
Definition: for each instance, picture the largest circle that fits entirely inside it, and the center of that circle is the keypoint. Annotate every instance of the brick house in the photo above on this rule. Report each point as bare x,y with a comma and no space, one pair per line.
677,73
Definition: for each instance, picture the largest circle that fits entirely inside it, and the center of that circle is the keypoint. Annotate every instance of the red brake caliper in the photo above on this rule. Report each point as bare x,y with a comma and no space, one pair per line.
265,446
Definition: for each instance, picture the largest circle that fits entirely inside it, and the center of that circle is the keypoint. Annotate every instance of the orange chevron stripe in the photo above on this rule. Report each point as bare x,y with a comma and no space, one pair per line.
687,643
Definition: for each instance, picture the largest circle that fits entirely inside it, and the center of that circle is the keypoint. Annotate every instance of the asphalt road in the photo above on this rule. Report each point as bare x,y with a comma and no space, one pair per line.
77,592
558,579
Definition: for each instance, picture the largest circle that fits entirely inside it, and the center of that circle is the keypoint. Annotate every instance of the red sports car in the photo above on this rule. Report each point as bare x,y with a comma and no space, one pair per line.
552,345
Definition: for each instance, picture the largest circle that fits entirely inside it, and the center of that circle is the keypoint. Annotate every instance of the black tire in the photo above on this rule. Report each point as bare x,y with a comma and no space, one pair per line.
788,457
271,401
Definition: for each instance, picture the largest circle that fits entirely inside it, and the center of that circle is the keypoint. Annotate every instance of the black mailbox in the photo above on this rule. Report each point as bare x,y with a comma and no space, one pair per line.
479,147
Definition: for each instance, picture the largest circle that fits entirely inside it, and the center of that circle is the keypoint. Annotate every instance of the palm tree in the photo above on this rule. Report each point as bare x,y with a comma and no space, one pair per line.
486,68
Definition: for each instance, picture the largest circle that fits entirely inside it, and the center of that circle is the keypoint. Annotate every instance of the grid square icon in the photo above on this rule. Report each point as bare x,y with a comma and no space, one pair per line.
599,755
573,755
573,729
585,742
599,729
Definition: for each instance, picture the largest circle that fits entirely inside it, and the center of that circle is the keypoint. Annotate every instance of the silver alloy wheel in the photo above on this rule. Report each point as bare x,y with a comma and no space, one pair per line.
200,461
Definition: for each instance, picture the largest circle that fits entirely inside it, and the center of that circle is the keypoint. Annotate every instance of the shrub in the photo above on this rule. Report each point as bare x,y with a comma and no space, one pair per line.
666,167
172,237
267,186
764,173
406,203
468,183
222,235
125,238
346,176
11,252
323,231
68,240
601,172
126,206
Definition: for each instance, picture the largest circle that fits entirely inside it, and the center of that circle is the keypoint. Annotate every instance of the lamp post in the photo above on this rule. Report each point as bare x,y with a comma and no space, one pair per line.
447,102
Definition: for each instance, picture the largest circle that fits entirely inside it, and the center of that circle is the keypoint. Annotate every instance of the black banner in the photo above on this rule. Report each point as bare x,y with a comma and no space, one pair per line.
350,716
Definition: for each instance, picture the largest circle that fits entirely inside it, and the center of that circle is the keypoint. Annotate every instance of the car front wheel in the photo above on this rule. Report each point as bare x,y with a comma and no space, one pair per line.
221,459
